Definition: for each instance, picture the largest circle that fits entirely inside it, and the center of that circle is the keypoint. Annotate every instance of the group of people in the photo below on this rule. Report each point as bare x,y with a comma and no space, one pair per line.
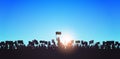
58,44
57,50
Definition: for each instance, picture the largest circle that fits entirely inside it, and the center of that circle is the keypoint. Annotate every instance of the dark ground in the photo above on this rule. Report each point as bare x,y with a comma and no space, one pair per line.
82,53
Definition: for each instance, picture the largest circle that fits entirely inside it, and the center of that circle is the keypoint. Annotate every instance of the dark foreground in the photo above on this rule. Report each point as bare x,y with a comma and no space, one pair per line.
56,54
50,50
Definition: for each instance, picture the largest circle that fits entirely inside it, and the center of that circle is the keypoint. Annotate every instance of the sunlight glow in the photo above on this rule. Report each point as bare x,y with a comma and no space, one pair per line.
66,38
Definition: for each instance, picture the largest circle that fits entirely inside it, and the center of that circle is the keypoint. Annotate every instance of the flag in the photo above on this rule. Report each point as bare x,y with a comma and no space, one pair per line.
58,33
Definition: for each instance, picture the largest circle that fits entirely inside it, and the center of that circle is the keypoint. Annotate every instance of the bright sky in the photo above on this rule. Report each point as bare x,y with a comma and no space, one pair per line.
39,19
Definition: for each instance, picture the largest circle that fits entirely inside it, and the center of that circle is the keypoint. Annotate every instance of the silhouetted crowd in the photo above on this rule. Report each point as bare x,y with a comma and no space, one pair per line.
42,49
52,44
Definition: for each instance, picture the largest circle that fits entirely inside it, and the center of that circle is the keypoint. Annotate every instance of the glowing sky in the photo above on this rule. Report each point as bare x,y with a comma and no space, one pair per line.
40,19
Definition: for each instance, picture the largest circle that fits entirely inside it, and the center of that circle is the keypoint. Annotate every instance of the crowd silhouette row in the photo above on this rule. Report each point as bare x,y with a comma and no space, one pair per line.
56,49
53,44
